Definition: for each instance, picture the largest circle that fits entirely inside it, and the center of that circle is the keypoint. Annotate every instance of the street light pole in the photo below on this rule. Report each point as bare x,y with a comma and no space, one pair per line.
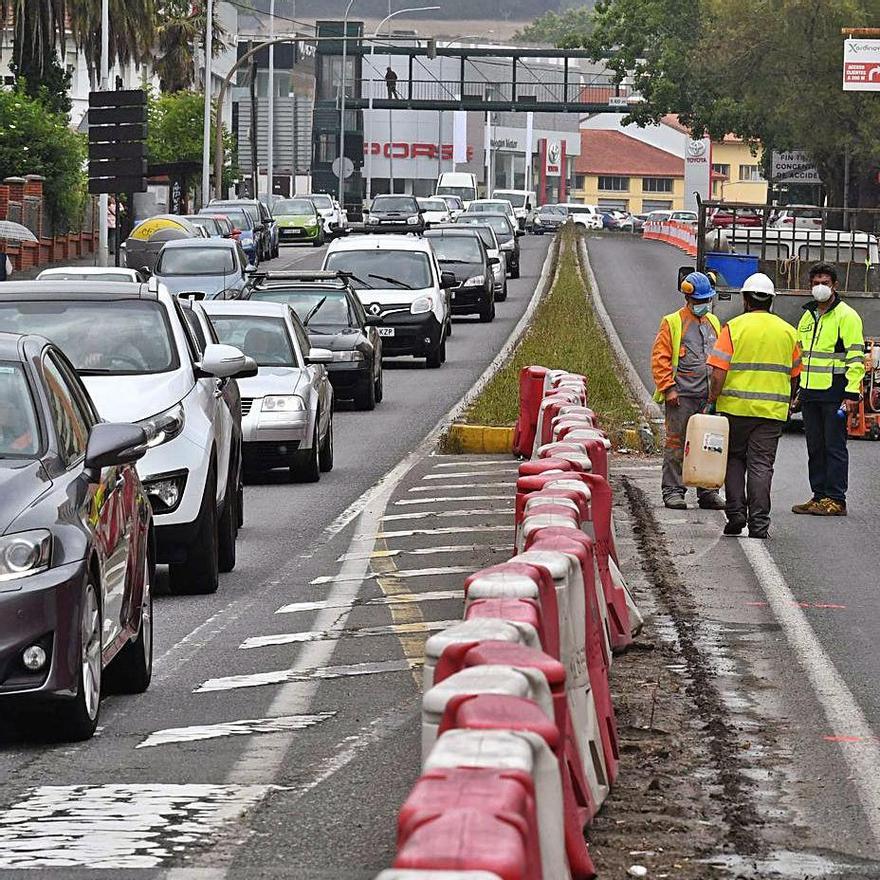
206,121
341,169
270,168
103,201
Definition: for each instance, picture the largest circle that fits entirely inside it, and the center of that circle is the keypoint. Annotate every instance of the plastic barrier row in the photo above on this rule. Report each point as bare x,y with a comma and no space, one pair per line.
519,736
679,233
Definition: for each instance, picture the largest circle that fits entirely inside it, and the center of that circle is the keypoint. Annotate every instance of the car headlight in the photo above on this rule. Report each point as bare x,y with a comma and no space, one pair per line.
340,356
414,220
165,426
422,305
283,403
24,553
165,490
476,281
372,219
311,221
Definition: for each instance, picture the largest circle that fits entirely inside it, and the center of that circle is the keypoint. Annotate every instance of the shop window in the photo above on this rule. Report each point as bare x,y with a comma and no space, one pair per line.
614,184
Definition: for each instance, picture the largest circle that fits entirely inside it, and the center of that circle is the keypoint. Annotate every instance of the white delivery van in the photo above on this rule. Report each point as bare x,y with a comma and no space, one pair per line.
458,183
524,204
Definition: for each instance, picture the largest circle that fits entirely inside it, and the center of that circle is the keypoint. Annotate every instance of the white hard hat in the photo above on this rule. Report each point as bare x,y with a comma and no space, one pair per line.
759,285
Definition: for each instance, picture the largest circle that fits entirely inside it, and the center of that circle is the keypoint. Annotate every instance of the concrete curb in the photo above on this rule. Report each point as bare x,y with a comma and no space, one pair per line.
479,439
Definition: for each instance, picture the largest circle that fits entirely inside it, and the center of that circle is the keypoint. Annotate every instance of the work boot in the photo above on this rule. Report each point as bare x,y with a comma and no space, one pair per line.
734,527
711,501
812,507
675,502
762,534
830,507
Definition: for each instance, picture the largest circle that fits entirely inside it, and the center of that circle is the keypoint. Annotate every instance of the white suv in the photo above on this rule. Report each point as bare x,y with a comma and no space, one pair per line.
334,217
137,356
399,281
587,216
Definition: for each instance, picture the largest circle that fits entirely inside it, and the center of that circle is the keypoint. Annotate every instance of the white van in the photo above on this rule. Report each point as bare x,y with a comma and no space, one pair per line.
524,203
458,183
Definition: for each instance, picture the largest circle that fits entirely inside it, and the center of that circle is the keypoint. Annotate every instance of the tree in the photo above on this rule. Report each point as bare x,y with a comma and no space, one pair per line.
36,141
570,28
178,29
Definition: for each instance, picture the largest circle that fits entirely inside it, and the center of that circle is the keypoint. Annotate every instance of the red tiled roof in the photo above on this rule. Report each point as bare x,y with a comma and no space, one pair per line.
612,152
673,121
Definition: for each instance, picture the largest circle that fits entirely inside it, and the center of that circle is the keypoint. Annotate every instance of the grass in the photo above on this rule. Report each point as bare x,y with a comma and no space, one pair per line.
565,334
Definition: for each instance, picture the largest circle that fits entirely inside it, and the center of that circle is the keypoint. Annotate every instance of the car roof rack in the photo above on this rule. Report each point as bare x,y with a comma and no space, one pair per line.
302,275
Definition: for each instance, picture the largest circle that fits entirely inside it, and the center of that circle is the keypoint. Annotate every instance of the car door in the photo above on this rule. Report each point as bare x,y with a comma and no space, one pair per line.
369,330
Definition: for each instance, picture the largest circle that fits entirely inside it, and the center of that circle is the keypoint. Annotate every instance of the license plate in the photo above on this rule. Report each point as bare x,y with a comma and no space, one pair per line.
386,331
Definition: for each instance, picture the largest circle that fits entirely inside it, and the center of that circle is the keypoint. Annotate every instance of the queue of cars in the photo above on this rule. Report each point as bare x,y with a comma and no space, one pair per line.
128,448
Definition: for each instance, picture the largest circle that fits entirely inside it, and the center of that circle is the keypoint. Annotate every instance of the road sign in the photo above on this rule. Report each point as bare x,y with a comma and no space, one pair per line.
132,150
117,185
117,131
618,101
347,167
120,98
793,166
697,171
861,65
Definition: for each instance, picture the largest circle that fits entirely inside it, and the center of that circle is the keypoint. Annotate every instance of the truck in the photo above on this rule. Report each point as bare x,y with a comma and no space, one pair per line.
458,183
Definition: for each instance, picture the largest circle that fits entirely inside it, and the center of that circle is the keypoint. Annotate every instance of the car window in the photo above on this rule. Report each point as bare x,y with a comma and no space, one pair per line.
239,218
518,200
196,261
253,211
295,206
497,222
19,432
322,201
333,311
405,270
112,337
85,276
264,339
394,203
71,425
195,327
432,205
302,338
456,248
360,316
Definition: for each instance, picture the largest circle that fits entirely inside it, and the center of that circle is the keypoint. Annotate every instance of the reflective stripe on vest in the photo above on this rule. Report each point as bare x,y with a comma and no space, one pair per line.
675,330
758,382
819,337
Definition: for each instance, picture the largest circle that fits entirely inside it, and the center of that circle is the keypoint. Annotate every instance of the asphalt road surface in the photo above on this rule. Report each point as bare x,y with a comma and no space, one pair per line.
267,747
829,682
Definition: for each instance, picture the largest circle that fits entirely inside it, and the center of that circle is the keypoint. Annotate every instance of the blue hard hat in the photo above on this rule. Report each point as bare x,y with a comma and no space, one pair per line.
697,286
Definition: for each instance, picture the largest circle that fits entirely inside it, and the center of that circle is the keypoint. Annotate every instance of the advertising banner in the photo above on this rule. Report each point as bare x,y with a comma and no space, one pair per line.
697,171
553,159
861,65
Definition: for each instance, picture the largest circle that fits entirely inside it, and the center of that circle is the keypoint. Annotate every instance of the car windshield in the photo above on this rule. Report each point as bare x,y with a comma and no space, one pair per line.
196,261
465,193
85,276
113,337
322,201
239,219
404,270
294,206
456,248
252,210
487,208
333,310
552,209
496,222
453,202
394,203
433,205
518,200
264,339
19,435
210,223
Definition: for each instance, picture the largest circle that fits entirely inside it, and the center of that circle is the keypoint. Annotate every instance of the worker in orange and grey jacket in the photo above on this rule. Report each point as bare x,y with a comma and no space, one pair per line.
681,377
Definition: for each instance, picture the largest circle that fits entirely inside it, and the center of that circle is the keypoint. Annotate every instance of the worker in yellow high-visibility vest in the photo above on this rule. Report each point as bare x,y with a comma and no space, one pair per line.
755,366
833,344
681,380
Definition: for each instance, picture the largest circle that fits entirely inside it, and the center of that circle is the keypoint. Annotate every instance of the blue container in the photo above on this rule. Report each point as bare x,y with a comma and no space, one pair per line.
732,269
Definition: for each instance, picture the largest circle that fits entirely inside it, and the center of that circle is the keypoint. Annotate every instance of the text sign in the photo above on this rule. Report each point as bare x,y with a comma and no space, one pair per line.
553,163
697,171
793,166
861,66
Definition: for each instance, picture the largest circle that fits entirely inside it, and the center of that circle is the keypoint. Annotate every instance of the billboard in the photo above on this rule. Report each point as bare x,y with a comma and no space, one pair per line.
793,166
861,65
697,171
553,160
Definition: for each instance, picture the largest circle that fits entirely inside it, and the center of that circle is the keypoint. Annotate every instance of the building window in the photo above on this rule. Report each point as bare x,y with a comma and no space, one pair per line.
657,184
614,205
649,205
750,173
579,180
614,184
328,147
721,168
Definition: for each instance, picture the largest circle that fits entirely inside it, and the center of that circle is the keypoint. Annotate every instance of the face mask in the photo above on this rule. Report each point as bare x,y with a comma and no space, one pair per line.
822,292
700,309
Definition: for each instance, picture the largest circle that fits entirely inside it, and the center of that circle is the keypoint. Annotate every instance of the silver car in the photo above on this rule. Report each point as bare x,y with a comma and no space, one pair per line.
206,268
287,408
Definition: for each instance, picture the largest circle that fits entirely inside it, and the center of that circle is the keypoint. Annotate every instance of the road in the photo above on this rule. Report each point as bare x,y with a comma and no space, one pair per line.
829,682
259,751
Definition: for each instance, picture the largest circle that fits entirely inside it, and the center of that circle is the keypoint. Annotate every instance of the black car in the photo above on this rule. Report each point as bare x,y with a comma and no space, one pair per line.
263,222
548,219
335,319
464,254
390,213
507,236
76,543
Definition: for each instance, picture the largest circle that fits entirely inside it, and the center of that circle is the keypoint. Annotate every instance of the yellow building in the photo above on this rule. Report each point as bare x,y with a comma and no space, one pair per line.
736,173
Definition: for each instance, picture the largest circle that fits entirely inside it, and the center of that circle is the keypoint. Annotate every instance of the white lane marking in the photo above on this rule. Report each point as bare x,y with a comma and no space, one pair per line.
282,676
446,487
843,714
465,474
442,499
447,514
478,463
425,551
397,599
443,530
400,573
244,726
117,826
364,632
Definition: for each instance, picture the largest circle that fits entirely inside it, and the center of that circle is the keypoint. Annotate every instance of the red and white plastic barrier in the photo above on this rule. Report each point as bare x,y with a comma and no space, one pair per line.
679,233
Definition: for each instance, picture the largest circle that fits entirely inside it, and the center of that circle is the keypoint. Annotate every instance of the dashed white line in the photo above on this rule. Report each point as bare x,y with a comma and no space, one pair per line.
443,530
401,573
448,486
423,551
444,499
448,514
393,629
243,727
459,474
397,599
479,463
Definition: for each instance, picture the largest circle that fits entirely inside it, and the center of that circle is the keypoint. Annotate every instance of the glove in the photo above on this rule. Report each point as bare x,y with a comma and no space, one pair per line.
708,408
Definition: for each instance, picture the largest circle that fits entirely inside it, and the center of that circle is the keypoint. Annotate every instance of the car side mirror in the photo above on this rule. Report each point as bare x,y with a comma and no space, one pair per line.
146,271
112,444
250,369
221,361
519,232
447,280
493,261
372,321
319,356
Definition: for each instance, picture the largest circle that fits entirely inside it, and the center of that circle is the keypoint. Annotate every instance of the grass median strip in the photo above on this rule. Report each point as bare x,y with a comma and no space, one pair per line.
564,334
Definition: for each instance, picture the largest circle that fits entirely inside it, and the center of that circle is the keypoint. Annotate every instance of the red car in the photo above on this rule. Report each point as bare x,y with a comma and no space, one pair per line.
723,218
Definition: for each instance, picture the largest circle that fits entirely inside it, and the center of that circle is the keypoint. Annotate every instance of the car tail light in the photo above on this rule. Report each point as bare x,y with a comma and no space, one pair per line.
788,220
236,233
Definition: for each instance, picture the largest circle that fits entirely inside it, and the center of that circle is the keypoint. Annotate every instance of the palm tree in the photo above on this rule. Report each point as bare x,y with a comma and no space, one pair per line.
179,25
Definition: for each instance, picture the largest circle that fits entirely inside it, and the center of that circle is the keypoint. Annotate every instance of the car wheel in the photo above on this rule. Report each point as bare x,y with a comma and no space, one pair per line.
325,459
79,716
306,467
227,528
380,384
487,313
201,571
514,271
131,671
365,396
438,356
501,297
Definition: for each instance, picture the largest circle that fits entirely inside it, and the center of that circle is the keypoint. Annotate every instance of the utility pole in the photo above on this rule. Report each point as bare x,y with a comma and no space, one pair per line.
270,165
255,164
341,169
104,86
206,121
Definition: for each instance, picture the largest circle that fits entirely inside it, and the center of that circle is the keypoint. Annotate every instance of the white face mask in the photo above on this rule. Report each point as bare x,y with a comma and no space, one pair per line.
822,292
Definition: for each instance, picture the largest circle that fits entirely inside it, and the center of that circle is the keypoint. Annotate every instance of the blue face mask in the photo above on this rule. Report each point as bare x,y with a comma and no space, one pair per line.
700,309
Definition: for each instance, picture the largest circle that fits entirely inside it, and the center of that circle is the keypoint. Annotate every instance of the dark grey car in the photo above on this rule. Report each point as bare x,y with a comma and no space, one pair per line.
216,268
389,213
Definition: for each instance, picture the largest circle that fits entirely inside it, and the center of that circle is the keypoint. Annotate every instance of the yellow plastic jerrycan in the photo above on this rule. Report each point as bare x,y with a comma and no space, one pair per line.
705,451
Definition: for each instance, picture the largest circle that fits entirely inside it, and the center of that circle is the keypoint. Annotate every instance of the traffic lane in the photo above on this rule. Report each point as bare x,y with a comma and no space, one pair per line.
197,638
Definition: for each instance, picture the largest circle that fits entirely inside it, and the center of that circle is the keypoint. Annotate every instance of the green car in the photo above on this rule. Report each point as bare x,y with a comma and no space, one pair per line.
298,220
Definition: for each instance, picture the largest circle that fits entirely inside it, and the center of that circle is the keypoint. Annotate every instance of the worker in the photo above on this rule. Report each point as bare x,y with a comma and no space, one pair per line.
391,83
681,377
755,366
833,344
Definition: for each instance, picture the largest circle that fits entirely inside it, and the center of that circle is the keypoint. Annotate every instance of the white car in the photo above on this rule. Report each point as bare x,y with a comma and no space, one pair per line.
799,216
454,205
287,408
399,281
494,206
434,210
334,218
137,356
587,216
91,273
684,216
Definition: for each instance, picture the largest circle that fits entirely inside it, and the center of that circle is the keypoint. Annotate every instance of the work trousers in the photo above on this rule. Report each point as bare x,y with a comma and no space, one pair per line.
673,454
828,457
750,461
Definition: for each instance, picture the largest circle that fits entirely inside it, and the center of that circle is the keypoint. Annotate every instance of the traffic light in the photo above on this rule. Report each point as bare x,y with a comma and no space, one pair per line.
117,141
